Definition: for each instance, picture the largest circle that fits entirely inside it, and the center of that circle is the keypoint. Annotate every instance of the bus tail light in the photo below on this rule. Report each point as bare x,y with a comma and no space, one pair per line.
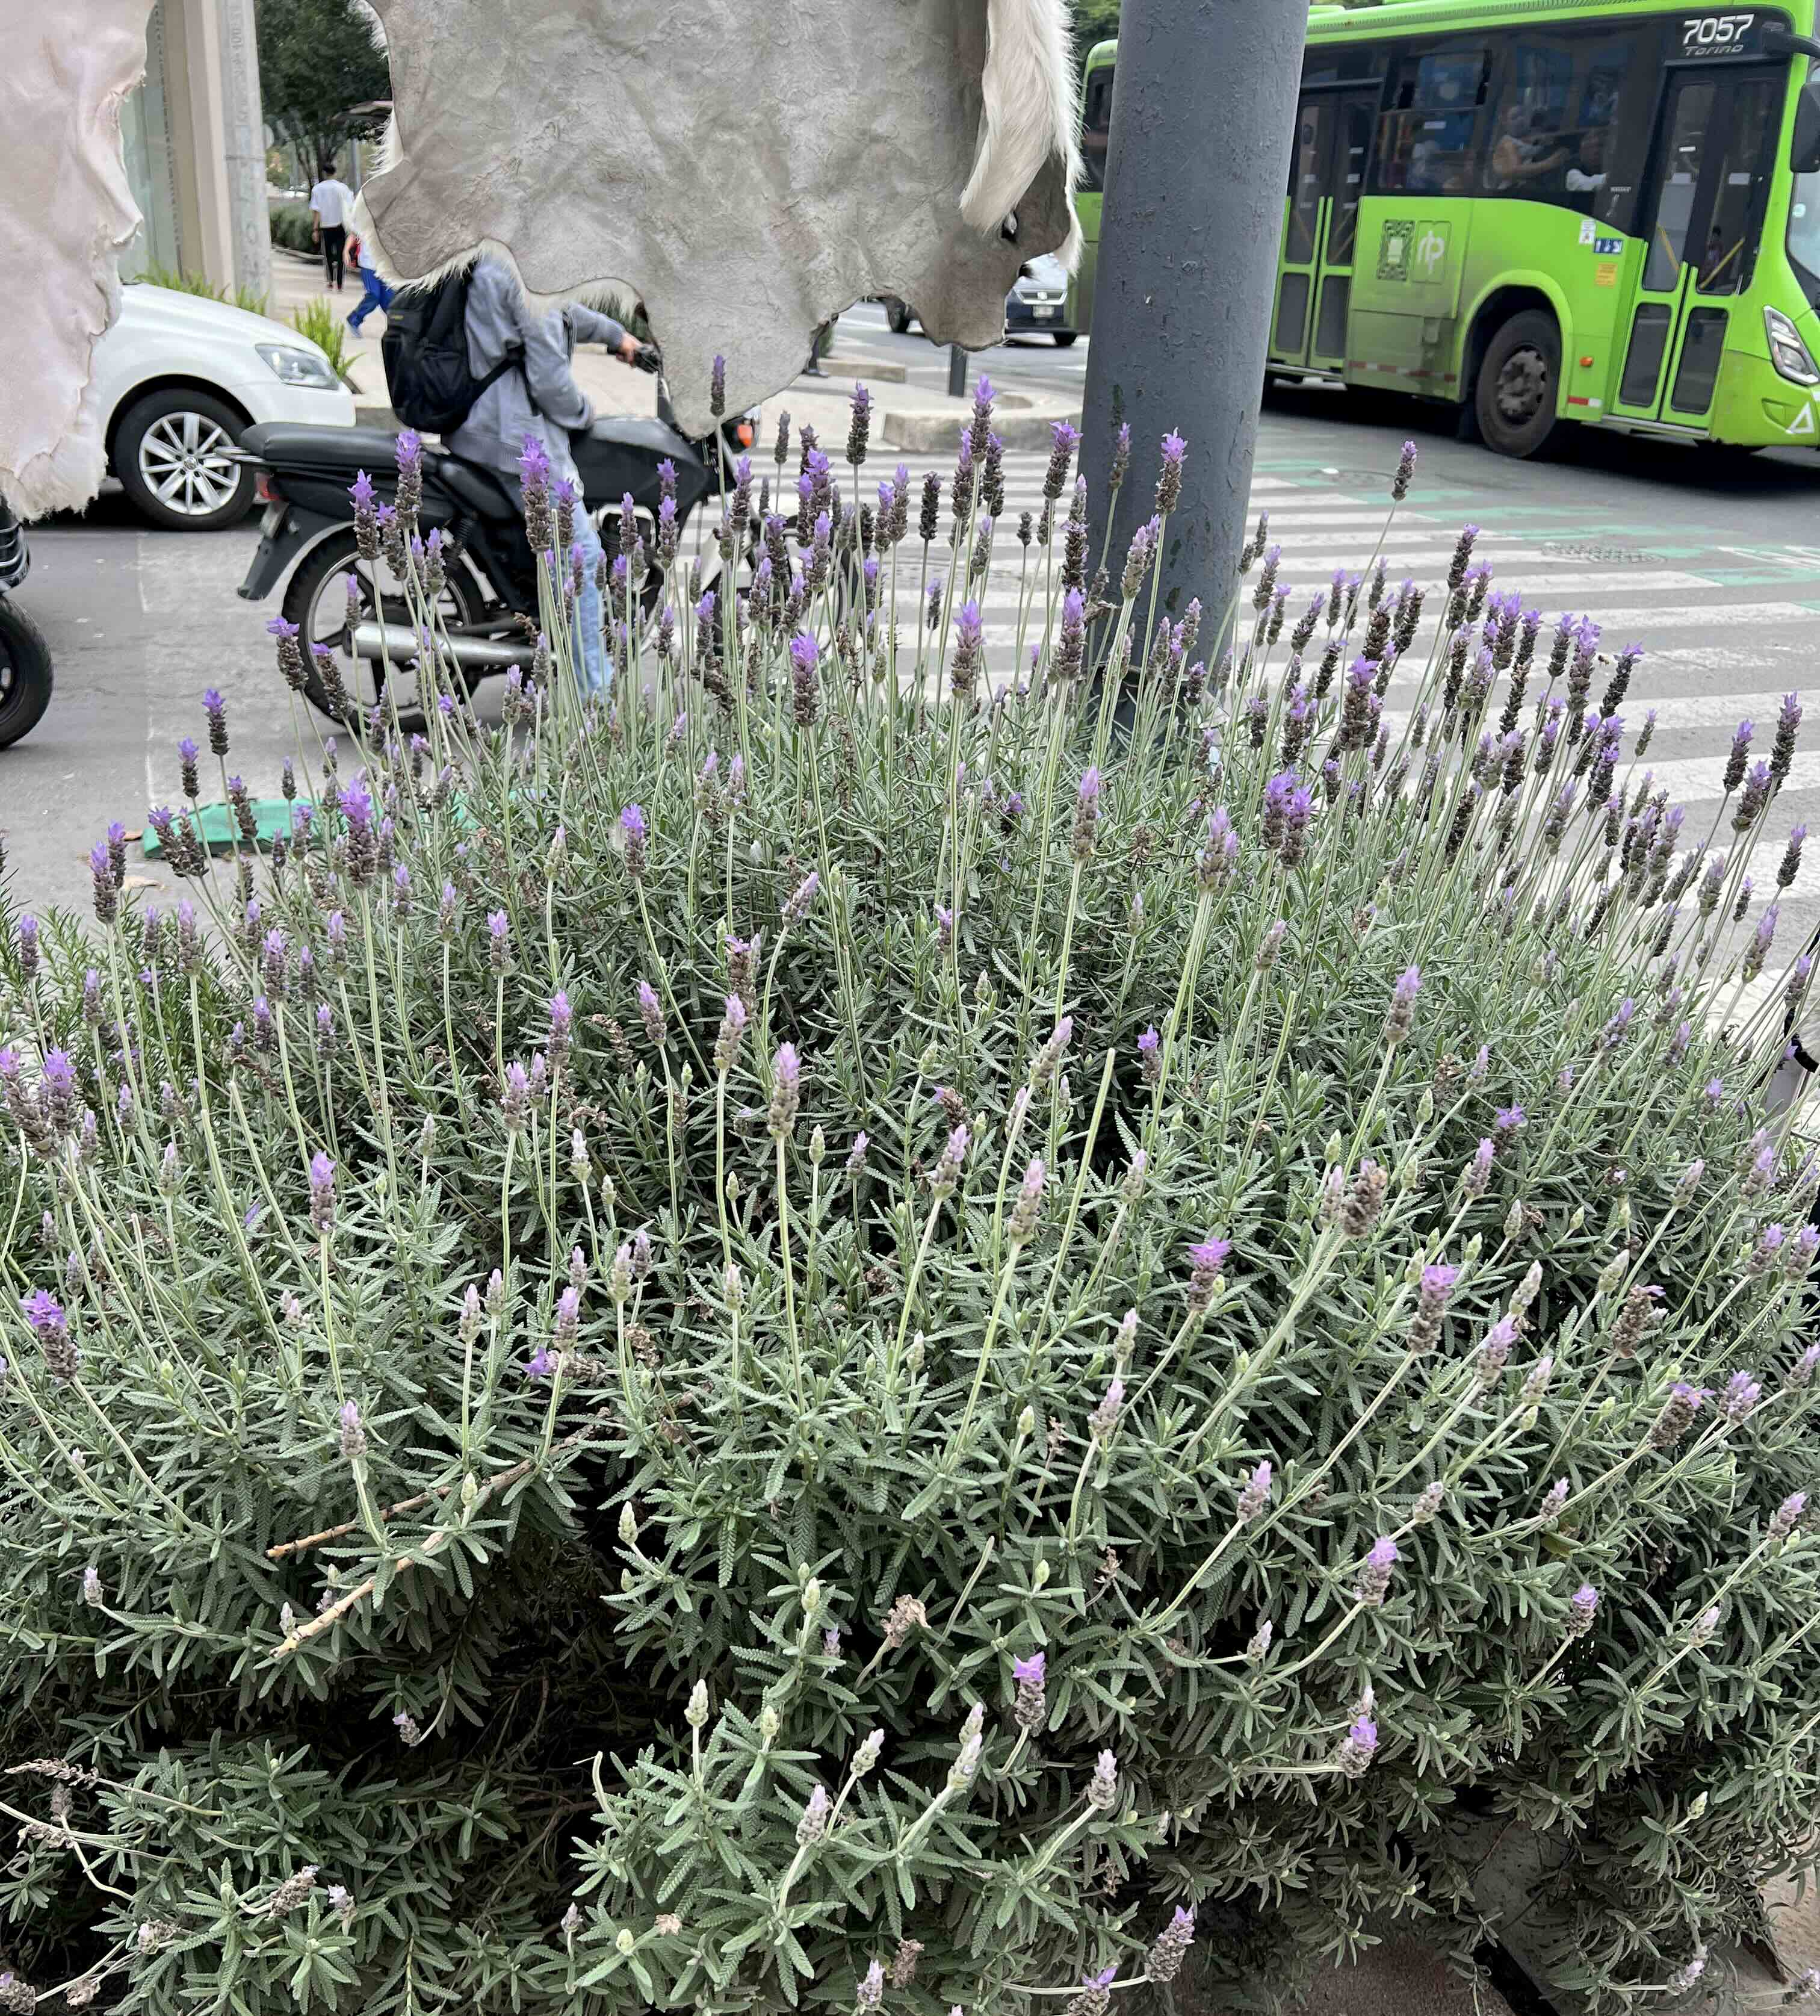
1787,352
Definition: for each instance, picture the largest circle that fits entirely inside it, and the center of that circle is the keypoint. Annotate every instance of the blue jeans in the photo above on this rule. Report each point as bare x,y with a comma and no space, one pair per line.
378,295
592,672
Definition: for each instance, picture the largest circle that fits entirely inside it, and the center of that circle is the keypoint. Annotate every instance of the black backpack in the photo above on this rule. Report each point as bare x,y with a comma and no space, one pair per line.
425,351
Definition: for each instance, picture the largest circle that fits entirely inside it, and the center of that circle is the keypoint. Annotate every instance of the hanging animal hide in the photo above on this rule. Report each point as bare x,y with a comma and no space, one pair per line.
66,216
747,170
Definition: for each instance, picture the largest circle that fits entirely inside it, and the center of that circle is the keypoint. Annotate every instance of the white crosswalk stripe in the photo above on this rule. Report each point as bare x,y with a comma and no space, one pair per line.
1726,630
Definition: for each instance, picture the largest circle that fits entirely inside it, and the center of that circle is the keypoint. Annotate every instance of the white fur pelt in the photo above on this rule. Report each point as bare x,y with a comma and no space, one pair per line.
65,214
1031,112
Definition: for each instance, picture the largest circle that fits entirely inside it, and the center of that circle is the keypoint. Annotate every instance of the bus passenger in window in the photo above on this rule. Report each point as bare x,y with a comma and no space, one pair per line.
1588,174
1517,159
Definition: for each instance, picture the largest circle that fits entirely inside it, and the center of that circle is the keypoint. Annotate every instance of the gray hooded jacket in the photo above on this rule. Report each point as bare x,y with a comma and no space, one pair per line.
541,398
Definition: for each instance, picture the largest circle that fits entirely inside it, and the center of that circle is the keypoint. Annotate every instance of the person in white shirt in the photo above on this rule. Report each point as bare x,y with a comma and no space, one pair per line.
331,205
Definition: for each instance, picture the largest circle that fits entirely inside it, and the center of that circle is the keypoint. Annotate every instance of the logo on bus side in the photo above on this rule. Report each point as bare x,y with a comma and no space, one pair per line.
1408,249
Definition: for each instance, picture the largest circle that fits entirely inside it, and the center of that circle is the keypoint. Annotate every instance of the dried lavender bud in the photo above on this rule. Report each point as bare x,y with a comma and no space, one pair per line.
291,1892
1677,1415
1365,1200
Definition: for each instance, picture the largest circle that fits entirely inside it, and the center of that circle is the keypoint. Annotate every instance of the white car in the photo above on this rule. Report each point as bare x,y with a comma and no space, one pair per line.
180,378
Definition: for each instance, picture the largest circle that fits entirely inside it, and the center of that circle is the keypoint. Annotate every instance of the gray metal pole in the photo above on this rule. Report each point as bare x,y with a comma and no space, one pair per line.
1202,119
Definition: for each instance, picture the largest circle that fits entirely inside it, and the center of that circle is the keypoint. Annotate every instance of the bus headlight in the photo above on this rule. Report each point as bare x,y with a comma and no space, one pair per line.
1787,352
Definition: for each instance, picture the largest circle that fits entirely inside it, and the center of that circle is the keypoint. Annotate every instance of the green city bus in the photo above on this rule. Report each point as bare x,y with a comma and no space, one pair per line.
1545,211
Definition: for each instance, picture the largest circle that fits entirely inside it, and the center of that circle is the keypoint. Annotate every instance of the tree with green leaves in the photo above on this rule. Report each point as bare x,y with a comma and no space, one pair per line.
320,64
1095,21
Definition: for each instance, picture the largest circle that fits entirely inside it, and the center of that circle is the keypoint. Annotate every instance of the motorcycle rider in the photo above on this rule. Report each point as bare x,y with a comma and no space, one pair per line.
540,399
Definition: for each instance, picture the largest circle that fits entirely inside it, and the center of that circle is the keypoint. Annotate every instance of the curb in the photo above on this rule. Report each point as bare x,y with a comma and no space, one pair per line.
926,430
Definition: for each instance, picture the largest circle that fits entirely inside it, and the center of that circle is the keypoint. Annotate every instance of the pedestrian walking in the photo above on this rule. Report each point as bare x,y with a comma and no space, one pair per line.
378,295
539,401
331,205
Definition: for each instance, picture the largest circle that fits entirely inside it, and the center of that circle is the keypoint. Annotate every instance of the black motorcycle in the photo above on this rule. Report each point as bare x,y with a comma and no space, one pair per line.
489,604
25,658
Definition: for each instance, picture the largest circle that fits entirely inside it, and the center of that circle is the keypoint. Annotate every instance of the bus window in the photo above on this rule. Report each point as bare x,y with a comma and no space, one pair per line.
1431,141
1096,127
1556,130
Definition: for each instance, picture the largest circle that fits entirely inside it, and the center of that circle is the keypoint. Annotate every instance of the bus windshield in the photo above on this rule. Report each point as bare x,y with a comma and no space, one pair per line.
1804,239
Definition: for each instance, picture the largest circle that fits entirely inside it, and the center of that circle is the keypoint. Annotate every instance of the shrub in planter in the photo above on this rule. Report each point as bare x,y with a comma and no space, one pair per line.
290,223
848,1335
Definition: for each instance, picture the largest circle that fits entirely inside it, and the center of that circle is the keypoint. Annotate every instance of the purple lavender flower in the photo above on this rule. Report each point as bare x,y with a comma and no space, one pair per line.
1435,1286
632,833
1742,1393
1031,1706
1169,479
1171,1945
1374,1576
1207,1260
1358,1748
1581,1606
562,1028
1255,1495
50,1327
322,1194
353,1433
1150,1056
787,1072
216,709
1495,1350
1401,1018
651,1014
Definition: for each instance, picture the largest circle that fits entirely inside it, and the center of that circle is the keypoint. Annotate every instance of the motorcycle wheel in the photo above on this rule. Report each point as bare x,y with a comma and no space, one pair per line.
25,673
317,602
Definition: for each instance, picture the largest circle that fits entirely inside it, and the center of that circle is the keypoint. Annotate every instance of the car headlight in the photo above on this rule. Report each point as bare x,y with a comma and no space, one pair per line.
298,367
1787,352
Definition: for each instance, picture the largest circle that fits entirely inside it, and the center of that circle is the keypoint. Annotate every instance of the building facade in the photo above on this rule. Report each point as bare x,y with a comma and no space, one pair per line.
195,145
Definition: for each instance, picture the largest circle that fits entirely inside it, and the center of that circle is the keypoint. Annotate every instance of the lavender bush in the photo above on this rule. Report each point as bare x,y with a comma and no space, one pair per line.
891,1326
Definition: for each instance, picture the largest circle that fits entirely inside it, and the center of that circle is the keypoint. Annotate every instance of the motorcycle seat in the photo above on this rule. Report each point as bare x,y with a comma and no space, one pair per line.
371,448
482,490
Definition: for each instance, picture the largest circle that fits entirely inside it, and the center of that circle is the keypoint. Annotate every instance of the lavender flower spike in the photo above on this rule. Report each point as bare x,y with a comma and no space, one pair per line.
1374,1577
322,1194
1031,1706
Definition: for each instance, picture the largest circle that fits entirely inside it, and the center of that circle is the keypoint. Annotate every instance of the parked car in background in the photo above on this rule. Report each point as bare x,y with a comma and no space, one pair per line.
1037,305
180,377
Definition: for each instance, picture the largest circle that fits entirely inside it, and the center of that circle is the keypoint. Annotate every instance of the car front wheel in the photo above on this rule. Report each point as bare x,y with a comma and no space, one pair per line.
173,454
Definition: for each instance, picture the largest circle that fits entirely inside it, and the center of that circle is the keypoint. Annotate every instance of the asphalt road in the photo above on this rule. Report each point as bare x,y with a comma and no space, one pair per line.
1712,566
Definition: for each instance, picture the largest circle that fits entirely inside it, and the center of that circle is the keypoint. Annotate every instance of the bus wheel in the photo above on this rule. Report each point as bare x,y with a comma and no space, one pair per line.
1514,399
